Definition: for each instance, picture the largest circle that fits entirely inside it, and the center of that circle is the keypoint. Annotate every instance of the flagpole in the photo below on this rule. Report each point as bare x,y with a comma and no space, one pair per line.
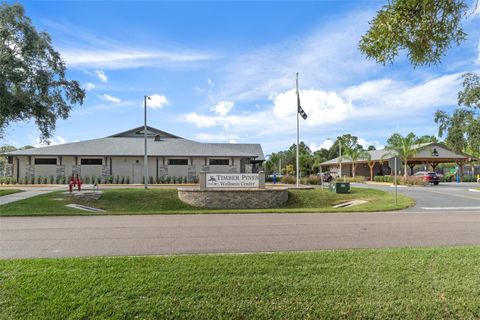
298,131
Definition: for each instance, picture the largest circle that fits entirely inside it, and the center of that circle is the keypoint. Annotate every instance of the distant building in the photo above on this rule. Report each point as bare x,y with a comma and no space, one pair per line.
428,156
122,155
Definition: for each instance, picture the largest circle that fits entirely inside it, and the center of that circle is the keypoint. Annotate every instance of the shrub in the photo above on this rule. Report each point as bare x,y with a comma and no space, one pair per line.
150,180
312,179
2,180
411,181
359,179
469,179
174,179
383,179
122,180
117,180
13,181
127,179
51,180
288,179
195,179
86,180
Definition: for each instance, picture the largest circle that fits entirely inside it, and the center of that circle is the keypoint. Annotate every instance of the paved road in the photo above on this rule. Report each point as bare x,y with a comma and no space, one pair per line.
22,237
444,197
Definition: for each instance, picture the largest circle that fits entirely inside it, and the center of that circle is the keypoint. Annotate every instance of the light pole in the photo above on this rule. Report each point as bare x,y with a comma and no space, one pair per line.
340,156
145,158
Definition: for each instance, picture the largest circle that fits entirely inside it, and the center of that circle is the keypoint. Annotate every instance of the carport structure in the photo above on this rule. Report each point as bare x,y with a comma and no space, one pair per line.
381,162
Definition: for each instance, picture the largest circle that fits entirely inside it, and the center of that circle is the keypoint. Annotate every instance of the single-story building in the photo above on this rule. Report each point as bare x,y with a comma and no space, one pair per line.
122,154
382,161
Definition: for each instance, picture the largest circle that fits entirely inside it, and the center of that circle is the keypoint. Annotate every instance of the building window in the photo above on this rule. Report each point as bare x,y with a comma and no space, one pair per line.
90,162
178,162
45,160
219,162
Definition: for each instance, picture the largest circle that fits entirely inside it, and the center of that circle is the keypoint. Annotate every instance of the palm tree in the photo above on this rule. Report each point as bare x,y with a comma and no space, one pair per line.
404,148
354,155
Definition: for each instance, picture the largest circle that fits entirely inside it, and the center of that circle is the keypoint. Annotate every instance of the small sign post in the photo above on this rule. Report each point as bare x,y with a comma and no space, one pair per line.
396,194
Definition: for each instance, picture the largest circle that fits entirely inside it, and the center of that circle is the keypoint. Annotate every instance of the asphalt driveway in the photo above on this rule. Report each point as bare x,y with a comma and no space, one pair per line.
444,197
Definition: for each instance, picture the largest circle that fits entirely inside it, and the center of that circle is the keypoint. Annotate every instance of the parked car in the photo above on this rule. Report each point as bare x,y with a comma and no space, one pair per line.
326,176
429,177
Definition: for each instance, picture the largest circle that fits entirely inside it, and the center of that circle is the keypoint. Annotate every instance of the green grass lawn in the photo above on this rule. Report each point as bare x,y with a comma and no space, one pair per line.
423,283
165,201
4,192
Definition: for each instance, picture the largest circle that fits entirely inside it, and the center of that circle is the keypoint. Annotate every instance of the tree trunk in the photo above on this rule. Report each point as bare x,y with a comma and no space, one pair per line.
371,170
353,169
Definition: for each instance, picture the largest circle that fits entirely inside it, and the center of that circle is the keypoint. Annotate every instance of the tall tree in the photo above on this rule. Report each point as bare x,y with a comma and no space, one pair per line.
33,84
404,148
462,128
346,141
426,29
354,155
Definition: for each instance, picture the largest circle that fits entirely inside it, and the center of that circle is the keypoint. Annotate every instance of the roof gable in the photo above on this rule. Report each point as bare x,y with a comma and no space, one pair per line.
138,133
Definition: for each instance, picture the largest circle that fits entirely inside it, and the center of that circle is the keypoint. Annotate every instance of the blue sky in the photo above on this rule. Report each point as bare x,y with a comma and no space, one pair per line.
225,71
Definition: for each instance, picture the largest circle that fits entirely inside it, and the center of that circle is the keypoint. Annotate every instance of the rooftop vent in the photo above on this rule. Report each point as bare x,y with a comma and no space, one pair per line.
157,137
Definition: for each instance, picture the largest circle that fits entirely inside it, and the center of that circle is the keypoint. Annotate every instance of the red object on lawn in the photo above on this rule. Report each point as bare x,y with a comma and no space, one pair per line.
75,181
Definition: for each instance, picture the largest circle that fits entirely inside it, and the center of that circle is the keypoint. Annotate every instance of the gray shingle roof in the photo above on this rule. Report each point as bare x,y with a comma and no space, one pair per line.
131,146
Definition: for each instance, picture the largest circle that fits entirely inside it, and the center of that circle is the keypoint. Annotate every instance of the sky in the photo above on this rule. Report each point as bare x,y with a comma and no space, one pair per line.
225,72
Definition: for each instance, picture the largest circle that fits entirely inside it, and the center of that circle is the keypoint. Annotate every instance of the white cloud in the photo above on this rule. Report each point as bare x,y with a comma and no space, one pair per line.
326,144
326,58
52,142
101,75
157,101
223,107
365,144
200,121
120,58
387,98
109,98
211,137
321,107
89,86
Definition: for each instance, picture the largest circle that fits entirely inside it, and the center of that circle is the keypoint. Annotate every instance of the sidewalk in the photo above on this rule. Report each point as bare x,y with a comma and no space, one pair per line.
28,193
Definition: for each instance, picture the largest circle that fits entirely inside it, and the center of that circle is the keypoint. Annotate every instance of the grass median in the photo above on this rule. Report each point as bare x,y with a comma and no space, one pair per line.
422,283
5,192
165,201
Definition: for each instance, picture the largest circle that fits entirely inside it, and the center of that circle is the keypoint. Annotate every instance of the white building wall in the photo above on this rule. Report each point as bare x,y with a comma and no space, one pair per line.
45,170
22,163
123,166
68,162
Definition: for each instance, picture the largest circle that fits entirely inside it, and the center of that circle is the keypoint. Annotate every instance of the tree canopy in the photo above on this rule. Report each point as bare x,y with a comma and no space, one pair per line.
405,147
33,84
462,128
424,28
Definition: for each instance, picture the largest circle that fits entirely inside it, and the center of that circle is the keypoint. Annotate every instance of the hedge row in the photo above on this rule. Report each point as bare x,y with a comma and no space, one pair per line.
94,179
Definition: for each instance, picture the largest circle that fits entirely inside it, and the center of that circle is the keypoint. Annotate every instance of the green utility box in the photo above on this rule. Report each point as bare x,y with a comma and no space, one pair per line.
342,187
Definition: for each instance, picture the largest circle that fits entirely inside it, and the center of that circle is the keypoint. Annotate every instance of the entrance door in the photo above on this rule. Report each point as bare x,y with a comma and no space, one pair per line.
137,173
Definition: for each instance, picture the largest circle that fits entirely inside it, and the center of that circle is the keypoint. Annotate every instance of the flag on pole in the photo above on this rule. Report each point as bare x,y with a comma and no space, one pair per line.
300,110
